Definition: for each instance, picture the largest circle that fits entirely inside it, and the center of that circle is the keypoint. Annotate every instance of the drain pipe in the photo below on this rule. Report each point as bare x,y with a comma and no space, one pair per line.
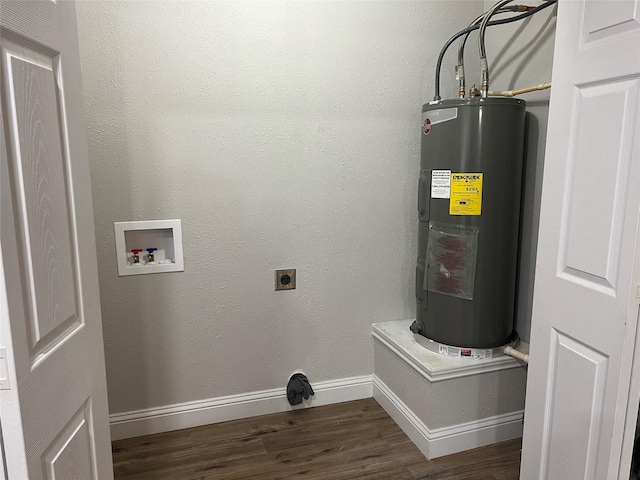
512,352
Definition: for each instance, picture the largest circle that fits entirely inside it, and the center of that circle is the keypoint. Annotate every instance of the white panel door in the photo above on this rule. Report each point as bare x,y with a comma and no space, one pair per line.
48,253
585,312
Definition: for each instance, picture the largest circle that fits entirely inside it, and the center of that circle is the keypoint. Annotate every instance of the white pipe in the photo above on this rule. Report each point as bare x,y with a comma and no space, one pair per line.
520,91
512,352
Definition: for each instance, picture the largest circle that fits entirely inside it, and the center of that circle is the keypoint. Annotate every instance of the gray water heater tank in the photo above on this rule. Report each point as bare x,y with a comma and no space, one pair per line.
469,210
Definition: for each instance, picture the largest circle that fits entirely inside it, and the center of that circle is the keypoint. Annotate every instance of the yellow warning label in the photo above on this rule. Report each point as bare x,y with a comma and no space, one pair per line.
466,194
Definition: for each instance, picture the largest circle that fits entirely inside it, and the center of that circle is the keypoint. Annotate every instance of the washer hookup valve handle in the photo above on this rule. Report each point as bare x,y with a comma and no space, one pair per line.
150,257
136,257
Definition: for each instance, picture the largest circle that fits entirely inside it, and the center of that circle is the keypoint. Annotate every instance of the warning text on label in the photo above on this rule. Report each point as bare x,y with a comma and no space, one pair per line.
440,183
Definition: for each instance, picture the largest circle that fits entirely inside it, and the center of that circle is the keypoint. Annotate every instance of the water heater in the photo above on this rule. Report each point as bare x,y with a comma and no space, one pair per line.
469,210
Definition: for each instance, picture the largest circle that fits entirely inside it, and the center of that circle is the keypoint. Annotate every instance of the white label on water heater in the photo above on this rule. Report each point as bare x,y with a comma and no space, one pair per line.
440,183
441,115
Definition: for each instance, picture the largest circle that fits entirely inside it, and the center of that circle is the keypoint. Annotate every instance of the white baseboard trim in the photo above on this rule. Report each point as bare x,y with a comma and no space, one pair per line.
438,442
431,442
221,409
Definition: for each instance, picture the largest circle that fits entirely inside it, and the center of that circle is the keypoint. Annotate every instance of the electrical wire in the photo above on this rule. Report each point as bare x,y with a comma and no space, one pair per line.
502,21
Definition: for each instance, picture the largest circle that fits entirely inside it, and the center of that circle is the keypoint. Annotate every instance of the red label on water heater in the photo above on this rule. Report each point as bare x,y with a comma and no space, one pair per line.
427,126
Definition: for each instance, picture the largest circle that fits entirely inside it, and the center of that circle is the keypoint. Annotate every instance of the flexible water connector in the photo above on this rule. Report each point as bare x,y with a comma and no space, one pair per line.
512,352
460,78
519,91
460,66
436,92
463,41
484,68
484,65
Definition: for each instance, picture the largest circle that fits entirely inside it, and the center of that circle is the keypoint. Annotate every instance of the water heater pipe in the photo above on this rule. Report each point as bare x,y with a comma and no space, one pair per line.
484,64
519,91
512,352
460,66
501,21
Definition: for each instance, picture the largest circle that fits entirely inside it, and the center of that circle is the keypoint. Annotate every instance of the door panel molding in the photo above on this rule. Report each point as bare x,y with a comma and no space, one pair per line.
48,250
40,167
595,197
600,22
69,455
576,371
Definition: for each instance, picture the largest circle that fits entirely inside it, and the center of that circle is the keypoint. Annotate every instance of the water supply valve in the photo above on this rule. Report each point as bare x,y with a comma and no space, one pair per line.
136,257
150,256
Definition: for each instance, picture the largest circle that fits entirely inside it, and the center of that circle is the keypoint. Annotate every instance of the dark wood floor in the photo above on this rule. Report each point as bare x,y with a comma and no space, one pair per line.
354,440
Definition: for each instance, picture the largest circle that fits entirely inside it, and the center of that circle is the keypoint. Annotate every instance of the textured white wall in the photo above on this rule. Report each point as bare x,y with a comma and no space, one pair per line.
283,134
520,54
